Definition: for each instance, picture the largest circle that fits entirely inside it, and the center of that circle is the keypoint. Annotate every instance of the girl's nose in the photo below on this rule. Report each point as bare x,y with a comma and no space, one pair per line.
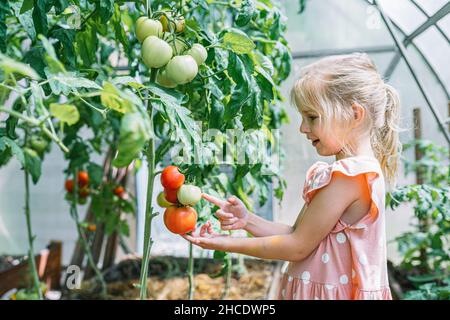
304,127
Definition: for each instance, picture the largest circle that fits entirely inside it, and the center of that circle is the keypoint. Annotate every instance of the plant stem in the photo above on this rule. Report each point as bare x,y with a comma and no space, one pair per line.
229,263
82,236
31,260
191,273
149,215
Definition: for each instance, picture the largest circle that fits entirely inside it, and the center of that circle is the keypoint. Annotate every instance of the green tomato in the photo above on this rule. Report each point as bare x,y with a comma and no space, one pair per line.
199,53
189,195
148,27
38,144
162,201
156,52
164,80
140,20
182,69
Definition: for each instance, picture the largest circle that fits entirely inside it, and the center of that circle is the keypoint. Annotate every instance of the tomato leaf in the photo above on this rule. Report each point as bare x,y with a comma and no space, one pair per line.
238,42
40,17
7,143
105,9
33,164
134,134
66,43
26,6
246,13
86,45
67,113
4,11
116,99
11,66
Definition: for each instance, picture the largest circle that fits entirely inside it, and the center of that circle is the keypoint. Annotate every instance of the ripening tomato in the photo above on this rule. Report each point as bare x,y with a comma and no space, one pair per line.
189,195
83,192
182,69
162,201
172,178
180,220
156,52
119,191
92,227
199,53
148,27
164,80
83,178
171,195
69,185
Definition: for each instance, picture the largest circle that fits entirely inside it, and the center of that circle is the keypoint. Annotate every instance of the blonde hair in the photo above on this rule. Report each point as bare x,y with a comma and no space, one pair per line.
333,84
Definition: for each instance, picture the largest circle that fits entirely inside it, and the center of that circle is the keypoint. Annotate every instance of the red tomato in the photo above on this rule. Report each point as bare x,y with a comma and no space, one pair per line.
172,178
83,178
171,195
119,191
180,220
69,185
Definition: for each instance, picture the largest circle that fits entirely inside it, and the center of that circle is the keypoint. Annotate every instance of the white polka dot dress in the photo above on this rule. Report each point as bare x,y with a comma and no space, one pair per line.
350,263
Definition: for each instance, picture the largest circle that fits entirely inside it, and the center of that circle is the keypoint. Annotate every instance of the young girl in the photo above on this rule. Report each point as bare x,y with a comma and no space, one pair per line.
337,246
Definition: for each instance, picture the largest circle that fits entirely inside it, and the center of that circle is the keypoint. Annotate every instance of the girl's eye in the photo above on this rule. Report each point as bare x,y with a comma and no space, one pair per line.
312,118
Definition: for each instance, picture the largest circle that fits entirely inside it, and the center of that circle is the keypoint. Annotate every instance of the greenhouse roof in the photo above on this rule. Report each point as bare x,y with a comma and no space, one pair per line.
421,24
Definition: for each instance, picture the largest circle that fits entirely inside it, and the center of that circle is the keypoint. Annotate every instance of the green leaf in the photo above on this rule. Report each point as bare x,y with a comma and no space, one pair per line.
105,9
67,39
33,164
246,13
216,114
119,29
115,99
11,66
54,65
66,83
134,133
40,17
167,95
86,45
67,113
6,143
238,42
95,173
4,12
26,5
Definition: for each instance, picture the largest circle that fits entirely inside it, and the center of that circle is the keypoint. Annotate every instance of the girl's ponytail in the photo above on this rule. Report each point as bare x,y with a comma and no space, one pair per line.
387,144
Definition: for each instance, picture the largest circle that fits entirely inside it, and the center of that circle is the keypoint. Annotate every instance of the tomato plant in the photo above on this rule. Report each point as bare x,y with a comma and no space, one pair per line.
97,78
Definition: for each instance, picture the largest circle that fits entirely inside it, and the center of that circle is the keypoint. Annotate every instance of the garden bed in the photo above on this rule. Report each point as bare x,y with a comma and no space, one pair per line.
168,280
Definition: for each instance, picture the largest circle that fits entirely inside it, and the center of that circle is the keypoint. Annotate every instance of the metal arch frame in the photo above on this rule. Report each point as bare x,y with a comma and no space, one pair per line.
402,51
409,38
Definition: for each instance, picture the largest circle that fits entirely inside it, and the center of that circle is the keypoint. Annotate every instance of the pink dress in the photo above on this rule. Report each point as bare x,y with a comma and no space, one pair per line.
349,263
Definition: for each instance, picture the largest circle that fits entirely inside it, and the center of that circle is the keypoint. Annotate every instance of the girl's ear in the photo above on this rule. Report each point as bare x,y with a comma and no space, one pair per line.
358,114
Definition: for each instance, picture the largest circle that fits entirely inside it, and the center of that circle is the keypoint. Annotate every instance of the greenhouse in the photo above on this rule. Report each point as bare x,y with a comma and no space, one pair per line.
225,150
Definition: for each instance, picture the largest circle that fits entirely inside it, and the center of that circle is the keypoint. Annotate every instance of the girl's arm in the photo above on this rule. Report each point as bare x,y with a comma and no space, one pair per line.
233,215
319,219
260,227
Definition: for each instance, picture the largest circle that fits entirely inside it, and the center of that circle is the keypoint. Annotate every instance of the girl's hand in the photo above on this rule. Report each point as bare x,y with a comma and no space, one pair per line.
232,214
206,238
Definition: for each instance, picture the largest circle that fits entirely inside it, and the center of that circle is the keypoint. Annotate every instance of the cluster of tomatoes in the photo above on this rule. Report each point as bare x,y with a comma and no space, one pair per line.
178,198
83,188
162,48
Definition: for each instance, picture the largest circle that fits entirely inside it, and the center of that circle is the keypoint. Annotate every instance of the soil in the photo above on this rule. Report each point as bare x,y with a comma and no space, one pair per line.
168,280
